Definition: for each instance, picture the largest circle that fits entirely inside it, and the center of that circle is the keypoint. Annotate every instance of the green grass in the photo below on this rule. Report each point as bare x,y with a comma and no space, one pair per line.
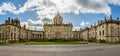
50,43
8,44
4,44
44,43
111,43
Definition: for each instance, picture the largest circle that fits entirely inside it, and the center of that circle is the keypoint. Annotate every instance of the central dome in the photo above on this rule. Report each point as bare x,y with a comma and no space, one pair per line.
58,19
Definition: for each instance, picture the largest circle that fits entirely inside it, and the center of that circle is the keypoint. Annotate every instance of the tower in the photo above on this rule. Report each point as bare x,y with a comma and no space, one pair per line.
58,19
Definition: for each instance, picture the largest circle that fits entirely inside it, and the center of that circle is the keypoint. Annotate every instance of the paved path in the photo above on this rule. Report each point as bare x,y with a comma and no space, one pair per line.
61,50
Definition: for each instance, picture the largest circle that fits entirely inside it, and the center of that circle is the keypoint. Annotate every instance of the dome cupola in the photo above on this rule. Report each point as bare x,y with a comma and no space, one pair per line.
58,19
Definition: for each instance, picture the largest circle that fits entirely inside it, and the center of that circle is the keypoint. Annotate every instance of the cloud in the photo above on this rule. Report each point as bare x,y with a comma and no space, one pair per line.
115,2
38,22
46,9
38,25
76,28
84,24
8,6
94,6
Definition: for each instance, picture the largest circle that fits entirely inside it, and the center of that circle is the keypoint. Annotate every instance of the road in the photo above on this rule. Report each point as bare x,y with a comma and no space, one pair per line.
61,50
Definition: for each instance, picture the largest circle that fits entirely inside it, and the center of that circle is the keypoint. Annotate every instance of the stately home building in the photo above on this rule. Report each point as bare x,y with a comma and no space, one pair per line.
58,30
12,31
107,30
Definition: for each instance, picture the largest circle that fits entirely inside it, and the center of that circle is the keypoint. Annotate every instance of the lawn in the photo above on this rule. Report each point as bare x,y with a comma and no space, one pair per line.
111,43
1,44
8,44
50,43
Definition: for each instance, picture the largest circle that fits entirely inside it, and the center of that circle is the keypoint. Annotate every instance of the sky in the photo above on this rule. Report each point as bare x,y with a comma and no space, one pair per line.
81,13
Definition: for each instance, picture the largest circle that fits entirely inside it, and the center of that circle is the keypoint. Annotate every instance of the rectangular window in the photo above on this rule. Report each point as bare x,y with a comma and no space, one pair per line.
50,30
11,35
33,35
0,29
119,31
103,32
103,26
14,29
0,35
14,35
100,33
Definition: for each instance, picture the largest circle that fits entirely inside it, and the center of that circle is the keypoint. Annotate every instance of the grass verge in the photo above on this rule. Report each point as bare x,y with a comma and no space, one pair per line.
54,43
8,44
111,43
4,44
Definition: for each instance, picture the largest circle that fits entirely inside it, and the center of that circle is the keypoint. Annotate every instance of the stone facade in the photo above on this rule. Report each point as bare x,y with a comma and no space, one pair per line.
84,34
37,35
58,30
106,31
76,35
11,31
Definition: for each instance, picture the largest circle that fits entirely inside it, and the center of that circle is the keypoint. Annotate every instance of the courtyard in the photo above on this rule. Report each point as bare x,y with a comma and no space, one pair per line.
91,49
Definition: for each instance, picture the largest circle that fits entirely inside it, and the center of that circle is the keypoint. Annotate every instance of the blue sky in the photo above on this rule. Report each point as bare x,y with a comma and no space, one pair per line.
81,13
